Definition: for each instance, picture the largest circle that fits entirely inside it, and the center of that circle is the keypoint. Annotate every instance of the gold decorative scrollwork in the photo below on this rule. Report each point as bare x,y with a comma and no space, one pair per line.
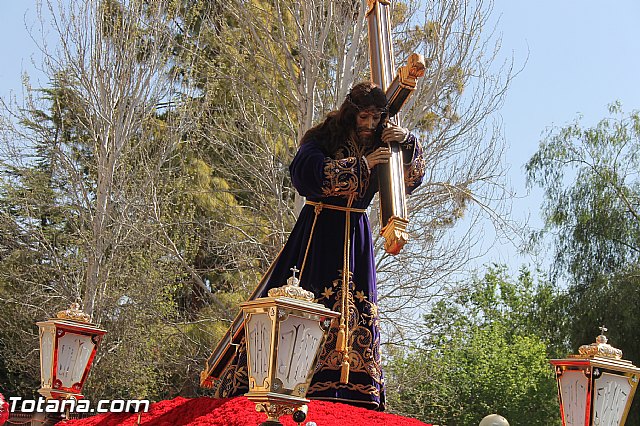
292,290
74,314
274,410
363,354
600,349
344,176
371,4
395,235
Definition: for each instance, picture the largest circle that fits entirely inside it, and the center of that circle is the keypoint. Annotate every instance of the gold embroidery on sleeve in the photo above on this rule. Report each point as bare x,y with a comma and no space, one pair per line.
416,168
415,172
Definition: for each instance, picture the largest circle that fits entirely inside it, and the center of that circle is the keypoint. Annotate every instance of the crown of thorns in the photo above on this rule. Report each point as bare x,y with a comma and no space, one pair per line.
363,107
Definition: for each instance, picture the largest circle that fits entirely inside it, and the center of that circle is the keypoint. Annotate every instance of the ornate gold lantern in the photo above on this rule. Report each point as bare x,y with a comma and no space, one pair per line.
595,387
284,334
68,346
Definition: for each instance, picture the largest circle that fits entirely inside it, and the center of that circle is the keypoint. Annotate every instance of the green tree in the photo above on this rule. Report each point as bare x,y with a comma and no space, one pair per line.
150,179
297,61
488,353
95,204
592,213
592,194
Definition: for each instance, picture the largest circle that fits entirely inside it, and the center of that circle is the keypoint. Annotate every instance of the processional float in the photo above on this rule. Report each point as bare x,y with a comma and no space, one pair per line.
393,207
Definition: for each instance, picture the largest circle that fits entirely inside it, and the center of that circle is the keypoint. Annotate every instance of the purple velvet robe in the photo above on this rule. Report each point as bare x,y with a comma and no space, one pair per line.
332,180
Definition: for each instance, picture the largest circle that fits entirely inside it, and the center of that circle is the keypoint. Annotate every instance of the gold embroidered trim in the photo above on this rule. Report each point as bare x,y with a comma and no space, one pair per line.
352,174
344,177
323,386
415,172
363,354
417,168
235,378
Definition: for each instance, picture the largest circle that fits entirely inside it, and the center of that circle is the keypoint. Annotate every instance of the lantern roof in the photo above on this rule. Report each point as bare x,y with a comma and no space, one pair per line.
72,318
598,354
73,313
600,348
595,386
292,289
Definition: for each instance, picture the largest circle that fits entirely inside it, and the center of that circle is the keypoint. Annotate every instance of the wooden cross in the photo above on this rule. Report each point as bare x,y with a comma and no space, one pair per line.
398,87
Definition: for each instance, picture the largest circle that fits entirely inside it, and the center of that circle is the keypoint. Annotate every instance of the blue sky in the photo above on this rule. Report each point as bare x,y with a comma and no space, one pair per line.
16,46
580,56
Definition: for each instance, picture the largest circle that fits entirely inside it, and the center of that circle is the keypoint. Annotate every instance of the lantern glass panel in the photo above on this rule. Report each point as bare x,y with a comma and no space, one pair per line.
299,340
611,393
46,354
573,388
259,346
74,351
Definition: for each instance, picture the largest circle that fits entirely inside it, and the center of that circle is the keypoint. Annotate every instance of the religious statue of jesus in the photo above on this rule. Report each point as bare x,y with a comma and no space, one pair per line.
331,244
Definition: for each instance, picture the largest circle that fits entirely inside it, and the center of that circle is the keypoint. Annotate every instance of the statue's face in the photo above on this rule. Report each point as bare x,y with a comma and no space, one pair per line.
366,123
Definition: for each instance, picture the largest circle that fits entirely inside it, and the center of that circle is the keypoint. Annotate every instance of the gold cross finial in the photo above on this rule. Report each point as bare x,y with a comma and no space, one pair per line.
602,329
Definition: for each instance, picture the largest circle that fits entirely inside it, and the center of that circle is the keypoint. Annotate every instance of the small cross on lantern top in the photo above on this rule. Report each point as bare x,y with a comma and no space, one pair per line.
294,270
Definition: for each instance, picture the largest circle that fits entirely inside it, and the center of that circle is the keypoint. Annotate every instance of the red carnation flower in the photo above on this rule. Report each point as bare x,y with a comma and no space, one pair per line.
4,410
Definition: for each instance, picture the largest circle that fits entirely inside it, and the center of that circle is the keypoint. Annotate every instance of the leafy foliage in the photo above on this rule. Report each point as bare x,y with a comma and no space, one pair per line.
592,196
149,180
487,354
97,203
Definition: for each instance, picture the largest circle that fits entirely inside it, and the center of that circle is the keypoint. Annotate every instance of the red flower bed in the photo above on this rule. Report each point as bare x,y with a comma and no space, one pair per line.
4,410
241,412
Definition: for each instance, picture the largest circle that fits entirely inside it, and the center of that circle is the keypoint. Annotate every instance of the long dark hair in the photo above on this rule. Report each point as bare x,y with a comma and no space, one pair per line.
338,125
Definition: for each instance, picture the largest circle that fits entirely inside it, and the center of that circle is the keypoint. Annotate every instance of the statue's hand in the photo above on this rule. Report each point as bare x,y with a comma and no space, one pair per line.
394,133
379,156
